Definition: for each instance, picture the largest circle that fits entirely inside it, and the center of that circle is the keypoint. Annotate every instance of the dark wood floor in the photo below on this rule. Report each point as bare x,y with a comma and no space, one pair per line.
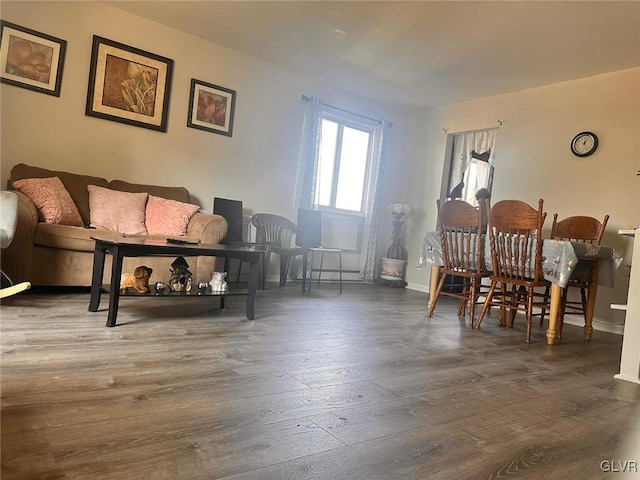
322,386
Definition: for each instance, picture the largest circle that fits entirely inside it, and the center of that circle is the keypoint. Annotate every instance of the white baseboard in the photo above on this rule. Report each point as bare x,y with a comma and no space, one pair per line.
417,287
598,325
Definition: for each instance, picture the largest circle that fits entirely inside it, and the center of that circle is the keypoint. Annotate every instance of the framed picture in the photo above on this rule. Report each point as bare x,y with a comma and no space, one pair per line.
211,108
129,85
31,59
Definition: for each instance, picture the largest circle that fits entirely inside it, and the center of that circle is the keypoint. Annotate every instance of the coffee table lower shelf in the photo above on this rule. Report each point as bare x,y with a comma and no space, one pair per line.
234,292
119,248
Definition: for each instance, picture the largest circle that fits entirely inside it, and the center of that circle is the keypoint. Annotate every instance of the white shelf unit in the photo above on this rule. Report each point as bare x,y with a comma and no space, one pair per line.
630,358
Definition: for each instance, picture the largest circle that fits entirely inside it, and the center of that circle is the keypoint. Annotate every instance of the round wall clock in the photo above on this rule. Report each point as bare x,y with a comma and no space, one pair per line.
584,144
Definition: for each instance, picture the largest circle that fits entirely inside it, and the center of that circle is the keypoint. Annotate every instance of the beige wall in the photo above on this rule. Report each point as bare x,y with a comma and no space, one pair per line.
533,160
258,164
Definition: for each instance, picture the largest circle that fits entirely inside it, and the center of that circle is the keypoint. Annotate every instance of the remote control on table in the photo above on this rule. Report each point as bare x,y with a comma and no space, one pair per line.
181,241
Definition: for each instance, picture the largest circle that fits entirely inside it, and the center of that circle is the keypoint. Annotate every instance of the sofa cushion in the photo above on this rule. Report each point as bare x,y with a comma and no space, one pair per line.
75,184
67,237
117,211
168,217
52,200
180,194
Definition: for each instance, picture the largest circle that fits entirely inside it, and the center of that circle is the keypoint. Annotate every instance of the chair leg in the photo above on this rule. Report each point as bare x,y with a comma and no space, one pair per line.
473,294
563,309
320,271
436,294
513,304
544,309
583,294
284,269
462,306
266,258
529,313
14,289
487,302
503,308
310,269
305,259
340,266
6,277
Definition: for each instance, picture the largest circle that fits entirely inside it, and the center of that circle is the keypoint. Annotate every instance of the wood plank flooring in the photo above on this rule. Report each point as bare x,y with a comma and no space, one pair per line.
319,386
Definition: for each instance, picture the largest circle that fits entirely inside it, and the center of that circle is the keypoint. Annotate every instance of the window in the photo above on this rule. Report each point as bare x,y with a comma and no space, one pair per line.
470,164
343,167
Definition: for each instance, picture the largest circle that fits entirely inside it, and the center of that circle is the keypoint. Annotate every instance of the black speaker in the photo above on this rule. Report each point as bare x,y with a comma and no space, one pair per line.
309,228
231,210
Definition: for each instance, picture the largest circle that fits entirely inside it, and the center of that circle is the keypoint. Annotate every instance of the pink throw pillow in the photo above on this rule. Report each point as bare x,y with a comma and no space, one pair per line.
168,217
52,200
117,211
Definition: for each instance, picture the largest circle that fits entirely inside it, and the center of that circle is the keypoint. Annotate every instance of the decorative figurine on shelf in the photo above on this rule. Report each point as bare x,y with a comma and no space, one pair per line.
162,288
181,278
218,283
139,279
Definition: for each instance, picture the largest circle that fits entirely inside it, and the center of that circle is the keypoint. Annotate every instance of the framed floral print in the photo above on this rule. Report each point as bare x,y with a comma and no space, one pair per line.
30,59
129,85
211,108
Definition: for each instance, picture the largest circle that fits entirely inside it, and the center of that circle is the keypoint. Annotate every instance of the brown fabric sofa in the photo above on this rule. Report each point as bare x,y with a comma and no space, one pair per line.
61,255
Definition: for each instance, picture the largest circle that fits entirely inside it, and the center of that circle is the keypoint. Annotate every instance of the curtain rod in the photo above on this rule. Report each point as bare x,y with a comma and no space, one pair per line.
305,98
446,130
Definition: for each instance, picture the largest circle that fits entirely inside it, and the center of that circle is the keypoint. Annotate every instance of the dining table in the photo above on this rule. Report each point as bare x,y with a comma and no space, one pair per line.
561,260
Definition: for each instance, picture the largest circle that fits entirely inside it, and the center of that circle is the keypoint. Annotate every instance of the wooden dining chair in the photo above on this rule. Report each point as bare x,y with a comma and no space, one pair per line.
461,229
577,228
515,237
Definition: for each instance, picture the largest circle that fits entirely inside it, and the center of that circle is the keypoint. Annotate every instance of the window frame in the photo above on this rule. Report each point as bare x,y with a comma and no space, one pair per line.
357,122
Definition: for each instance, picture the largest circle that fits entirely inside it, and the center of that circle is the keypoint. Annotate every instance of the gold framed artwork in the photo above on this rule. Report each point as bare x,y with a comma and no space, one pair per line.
30,59
211,108
129,85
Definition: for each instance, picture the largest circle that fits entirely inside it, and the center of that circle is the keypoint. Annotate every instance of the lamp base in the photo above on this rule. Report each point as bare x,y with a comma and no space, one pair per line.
392,272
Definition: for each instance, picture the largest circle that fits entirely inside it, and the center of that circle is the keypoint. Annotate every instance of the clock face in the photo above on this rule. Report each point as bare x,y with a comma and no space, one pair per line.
584,144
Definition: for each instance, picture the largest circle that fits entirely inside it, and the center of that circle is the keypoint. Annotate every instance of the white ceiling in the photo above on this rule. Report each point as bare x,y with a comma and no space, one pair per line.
423,53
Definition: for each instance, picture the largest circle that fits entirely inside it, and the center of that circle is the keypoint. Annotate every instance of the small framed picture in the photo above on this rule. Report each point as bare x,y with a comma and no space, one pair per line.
129,85
211,108
30,59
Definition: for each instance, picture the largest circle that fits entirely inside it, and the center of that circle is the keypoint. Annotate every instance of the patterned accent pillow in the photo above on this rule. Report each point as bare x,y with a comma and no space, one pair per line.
117,211
168,217
52,200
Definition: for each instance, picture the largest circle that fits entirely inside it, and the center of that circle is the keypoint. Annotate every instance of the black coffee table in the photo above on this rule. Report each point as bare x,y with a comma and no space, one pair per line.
120,247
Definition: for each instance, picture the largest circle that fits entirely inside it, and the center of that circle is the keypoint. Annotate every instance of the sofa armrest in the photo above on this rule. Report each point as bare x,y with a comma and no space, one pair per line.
209,228
18,256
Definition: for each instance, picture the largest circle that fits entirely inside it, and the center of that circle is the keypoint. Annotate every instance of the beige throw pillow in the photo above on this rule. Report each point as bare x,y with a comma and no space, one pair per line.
117,211
168,217
52,200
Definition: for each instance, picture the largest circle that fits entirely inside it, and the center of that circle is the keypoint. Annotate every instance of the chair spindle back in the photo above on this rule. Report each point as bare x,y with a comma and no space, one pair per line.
516,240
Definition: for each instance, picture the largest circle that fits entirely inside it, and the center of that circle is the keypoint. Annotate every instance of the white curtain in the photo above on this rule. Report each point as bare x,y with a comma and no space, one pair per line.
370,238
309,153
464,144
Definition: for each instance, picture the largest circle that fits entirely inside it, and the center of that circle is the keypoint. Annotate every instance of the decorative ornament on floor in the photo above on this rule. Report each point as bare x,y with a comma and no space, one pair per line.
393,265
